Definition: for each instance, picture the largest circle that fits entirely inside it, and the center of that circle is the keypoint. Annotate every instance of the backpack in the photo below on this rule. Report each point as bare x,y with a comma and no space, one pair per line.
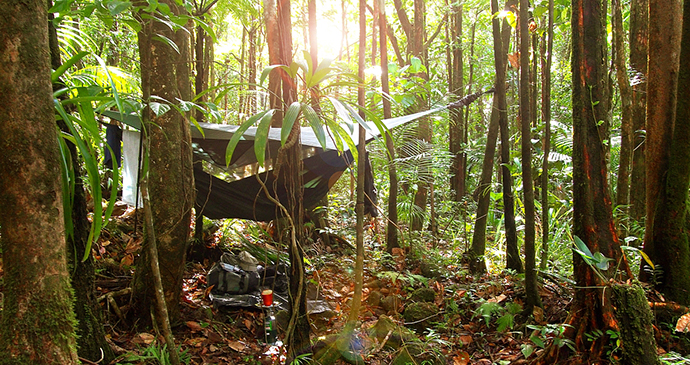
230,279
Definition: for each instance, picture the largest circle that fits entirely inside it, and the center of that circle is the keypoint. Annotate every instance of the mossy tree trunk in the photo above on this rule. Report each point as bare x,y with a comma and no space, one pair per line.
171,185
91,342
38,324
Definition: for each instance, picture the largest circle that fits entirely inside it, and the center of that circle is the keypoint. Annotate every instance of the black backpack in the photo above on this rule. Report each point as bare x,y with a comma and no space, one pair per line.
230,279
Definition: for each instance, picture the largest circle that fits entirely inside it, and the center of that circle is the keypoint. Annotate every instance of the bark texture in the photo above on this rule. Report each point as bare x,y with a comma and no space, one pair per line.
171,183
670,235
662,74
638,63
38,325
526,116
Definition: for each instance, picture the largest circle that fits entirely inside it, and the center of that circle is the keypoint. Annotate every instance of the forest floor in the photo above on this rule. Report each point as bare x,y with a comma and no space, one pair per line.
473,320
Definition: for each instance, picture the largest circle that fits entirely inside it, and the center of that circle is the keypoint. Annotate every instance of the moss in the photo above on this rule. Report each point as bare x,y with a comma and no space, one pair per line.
423,295
635,322
420,315
43,320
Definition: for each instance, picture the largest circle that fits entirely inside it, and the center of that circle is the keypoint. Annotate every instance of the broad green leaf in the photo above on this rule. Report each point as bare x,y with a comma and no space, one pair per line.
116,6
166,40
261,139
582,247
65,66
289,120
159,108
415,65
601,261
342,113
266,71
316,124
208,29
240,131
116,95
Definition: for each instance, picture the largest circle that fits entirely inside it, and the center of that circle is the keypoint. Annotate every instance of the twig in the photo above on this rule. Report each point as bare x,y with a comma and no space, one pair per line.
424,319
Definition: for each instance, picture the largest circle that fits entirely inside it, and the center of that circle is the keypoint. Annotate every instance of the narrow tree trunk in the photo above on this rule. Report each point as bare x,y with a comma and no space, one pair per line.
623,186
531,289
274,58
638,62
170,169
501,42
456,124
392,229
38,324
476,252
546,117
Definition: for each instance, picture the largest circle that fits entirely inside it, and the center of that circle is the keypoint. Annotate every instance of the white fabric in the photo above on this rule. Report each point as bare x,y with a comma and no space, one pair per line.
130,168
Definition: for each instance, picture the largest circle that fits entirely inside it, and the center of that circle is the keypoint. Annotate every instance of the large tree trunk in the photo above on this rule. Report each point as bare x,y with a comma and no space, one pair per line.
638,63
664,41
38,324
670,235
593,218
171,183
531,290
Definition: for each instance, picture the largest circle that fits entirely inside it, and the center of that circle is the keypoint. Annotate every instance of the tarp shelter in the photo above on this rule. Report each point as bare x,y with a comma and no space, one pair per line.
243,197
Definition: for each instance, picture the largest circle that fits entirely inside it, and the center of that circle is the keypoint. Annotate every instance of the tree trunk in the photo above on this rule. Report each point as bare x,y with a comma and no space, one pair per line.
38,324
476,253
274,58
91,342
592,214
638,62
623,185
531,289
670,234
546,117
501,42
456,124
392,230
171,183
664,42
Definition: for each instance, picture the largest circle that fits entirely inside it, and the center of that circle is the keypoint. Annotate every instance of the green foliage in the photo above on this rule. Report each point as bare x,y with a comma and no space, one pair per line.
154,355
542,335
504,315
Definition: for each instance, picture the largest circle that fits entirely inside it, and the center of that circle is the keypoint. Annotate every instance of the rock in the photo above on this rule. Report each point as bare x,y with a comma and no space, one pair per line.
420,315
415,354
391,303
374,284
431,270
374,299
399,335
335,347
423,295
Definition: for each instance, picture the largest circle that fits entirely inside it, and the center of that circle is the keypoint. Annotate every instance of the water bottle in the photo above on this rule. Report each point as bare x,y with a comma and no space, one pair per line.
270,327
